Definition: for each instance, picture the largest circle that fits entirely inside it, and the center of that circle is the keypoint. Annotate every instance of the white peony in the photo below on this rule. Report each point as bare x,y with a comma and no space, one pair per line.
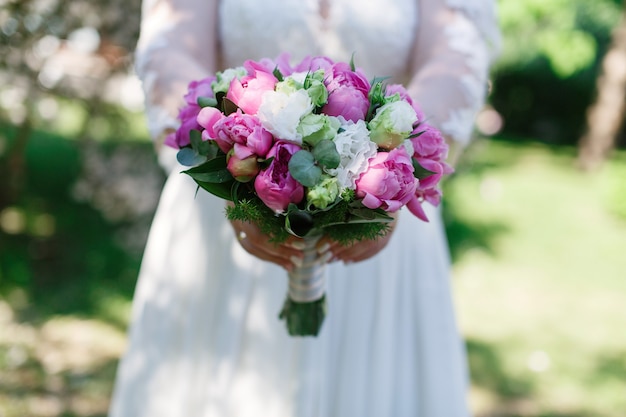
355,149
280,113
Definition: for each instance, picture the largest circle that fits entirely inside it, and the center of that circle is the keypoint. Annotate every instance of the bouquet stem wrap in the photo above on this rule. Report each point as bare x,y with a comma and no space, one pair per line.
305,307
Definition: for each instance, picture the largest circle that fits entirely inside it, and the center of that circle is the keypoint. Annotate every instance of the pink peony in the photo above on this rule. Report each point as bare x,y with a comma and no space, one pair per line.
188,113
248,92
430,144
242,169
275,186
245,130
208,118
432,196
347,92
438,169
388,182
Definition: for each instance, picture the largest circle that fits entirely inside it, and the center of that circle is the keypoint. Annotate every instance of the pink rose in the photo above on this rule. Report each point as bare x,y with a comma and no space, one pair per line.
347,92
188,113
245,130
275,186
248,92
388,182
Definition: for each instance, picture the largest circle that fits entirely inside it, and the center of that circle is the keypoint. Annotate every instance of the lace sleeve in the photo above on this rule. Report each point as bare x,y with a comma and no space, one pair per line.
457,41
177,44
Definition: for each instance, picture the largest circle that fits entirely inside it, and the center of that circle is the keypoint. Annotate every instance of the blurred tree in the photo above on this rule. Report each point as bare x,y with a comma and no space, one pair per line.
53,52
606,114
544,79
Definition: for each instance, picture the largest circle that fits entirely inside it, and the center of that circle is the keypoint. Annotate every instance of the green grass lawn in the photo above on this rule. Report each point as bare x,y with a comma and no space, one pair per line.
540,283
539,261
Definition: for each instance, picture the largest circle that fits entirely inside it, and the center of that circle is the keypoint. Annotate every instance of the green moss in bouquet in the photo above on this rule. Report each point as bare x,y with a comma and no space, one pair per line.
254,211
349,222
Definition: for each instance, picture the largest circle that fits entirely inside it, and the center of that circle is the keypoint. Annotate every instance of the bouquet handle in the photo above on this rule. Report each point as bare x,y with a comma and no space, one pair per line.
305,307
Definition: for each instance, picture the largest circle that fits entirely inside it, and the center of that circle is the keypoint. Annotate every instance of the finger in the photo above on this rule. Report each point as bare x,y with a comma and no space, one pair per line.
257,244
254,250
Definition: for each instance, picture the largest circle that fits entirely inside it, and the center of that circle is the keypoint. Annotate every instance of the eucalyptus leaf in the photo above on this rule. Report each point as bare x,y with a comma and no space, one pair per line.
189,157
195,138
302,167
208,148
419,171
326,154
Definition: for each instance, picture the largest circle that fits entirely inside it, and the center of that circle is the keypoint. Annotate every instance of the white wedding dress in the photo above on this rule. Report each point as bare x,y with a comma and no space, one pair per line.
205,338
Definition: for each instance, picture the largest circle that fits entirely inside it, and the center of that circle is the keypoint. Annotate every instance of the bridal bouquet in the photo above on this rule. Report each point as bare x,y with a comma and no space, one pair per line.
309,150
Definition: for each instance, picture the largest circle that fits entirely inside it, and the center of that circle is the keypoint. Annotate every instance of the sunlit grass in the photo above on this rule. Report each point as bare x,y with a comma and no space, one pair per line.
546,294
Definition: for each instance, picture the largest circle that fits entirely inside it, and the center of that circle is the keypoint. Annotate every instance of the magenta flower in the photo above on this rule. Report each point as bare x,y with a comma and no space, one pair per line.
388,182
248,92
245,130
189,112
347,92
275,186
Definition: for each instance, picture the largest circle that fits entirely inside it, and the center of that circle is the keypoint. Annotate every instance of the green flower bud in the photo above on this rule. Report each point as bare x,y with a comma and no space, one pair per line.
324,193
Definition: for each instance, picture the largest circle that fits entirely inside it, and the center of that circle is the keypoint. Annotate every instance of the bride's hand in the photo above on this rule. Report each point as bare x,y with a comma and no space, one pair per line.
285,254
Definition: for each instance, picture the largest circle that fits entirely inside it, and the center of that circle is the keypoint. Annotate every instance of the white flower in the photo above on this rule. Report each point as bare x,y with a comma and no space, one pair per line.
392,124
280,113
355,149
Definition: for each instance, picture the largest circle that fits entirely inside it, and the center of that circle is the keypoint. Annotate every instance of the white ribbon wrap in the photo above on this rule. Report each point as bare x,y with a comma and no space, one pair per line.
307,283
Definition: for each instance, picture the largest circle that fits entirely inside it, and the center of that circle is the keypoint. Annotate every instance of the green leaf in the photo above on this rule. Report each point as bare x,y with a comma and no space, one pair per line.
352,66
419,171
212,171
367,215
189,157
326,154
207,102
222,190
228,106
302,167
278,74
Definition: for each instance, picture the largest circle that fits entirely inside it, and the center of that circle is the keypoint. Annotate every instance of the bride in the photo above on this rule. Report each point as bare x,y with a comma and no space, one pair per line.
205,338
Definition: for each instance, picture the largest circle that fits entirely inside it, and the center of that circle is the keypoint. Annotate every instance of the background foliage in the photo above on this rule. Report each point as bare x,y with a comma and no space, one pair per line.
545,77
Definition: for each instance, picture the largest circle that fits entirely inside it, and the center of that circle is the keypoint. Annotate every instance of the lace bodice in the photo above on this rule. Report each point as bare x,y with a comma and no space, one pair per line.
433,47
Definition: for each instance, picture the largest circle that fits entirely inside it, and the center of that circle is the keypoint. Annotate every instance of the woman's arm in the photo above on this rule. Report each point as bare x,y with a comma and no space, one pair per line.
177,44
454,46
